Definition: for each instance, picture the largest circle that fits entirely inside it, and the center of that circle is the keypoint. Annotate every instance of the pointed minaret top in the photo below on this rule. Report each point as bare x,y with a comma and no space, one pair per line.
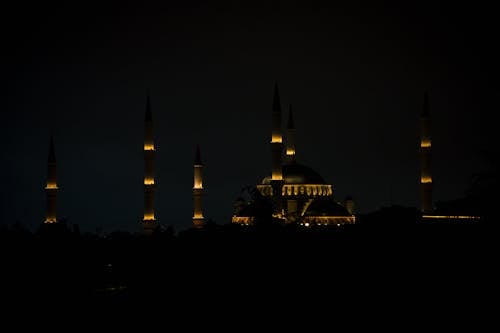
148,116
197,158
425,108
290,124
276,100
52,153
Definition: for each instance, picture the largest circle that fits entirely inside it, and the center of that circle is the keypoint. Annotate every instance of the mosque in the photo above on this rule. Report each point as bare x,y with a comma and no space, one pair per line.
298,194
295,192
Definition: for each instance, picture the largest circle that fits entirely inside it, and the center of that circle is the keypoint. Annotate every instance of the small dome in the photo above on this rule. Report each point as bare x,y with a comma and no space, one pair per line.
326,207
298,174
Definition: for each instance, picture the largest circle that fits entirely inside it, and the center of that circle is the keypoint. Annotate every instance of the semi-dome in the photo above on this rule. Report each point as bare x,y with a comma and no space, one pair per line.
326,207
298,174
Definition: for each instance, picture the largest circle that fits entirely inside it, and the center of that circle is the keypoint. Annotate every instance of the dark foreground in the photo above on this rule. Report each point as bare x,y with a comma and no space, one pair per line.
336,264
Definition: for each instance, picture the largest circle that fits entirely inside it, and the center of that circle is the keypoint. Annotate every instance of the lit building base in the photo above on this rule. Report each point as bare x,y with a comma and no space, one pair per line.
243,220
198,222
450,218
310,221
149,226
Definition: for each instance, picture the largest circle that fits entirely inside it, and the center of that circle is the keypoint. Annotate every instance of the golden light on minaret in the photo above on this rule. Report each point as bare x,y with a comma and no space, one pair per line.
51,186
276,155
426,206
198,219
149,220
290,138
276,138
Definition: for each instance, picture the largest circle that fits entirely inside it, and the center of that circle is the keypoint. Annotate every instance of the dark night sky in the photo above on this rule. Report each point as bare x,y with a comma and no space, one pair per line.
355,75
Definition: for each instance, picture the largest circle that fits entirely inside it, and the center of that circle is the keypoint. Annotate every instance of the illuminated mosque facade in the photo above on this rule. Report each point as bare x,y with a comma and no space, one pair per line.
296,192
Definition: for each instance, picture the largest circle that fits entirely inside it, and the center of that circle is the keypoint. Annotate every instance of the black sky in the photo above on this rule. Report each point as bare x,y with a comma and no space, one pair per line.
355,74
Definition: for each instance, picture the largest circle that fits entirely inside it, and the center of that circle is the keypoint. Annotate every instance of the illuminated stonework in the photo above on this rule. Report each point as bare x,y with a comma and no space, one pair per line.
149,147
197,179
426,180
243,220
452,217
149,217
51,186
277,176
276,139
328,220
149,181
50,220
290,151
304,190
425,144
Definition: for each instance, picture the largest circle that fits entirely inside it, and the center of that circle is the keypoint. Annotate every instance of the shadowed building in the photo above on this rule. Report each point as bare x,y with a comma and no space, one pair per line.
51,186
149,221
297,192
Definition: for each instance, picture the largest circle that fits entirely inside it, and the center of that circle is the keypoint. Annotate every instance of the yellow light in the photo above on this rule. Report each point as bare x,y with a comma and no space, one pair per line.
149,146
425,143
51,186
329,220
149,217
467,217
276,138
149,181
290,151
197,216
277,176
244,220
426,180
50,220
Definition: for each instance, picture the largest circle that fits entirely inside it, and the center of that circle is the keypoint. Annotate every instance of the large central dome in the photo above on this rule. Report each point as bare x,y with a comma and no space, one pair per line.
298,174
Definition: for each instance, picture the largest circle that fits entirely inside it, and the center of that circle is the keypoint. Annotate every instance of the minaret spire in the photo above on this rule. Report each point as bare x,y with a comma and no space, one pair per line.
198,219
149,221
426,206
51,186
290,138
276,137
276,154
147,115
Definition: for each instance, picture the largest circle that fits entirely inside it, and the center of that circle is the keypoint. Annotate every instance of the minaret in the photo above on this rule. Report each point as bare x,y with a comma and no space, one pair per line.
425,160
290,138
51,187
149,221
198,219
276,154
